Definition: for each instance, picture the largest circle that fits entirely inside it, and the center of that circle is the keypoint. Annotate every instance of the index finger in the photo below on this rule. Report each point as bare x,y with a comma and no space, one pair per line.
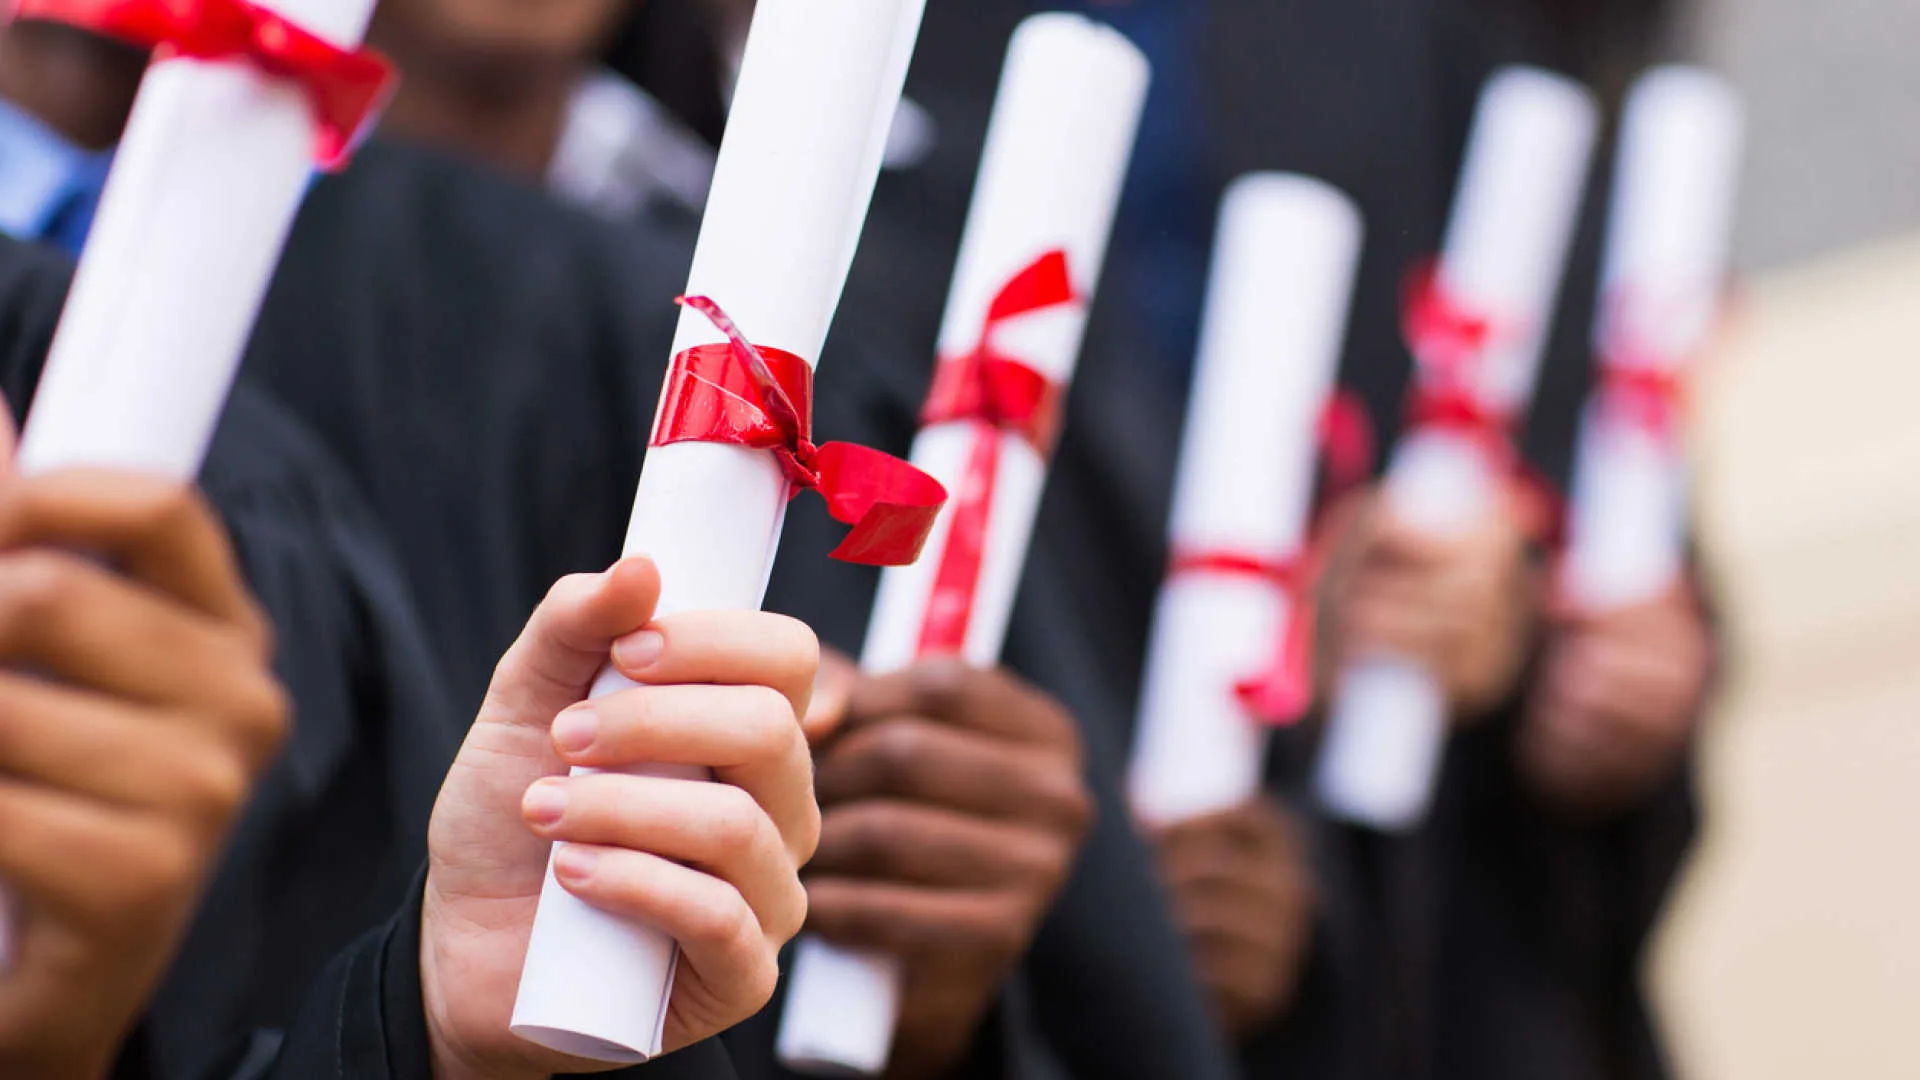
724,648
154,530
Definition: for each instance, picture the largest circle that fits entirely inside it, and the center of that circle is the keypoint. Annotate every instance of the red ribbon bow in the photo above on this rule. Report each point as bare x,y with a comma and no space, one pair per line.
1449,341
1282,692
998,394
345,88
739,394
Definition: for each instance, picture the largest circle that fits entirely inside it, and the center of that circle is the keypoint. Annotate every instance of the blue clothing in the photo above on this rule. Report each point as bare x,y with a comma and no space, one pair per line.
49,188
1161,242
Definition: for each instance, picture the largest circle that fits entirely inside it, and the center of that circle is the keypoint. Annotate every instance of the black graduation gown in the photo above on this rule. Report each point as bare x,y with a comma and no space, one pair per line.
335,832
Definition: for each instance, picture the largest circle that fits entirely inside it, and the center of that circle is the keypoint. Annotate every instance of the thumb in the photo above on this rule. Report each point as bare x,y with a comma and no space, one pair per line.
566,642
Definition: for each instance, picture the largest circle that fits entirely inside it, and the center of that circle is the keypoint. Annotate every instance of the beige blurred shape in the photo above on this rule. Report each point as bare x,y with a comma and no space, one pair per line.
1792,950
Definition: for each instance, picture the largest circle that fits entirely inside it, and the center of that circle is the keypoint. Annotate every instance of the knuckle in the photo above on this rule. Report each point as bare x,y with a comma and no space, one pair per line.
256,631
154,871
792,914
725,924
265,716
768,713
214,786
34,585
805,841
941,685
762,981
898,747
737,826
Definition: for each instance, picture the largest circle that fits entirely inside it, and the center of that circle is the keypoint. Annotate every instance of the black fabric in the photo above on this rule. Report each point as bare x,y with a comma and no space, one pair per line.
487,378
336,828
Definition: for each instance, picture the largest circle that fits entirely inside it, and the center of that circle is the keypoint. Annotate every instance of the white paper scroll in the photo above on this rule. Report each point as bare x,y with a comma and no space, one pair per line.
1664,278
1277,311
208,177
1056,157
1505,255
790,192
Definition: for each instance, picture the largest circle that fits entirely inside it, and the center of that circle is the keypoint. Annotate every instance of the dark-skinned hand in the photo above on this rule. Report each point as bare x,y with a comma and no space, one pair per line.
1243,895
953,806
1617,703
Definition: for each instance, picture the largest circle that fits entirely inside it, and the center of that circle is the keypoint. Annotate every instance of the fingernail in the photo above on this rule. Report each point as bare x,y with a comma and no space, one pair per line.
637,651
575,729
574,864
545,802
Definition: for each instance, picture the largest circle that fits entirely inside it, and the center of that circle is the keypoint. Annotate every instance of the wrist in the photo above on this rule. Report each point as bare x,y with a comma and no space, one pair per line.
454,1057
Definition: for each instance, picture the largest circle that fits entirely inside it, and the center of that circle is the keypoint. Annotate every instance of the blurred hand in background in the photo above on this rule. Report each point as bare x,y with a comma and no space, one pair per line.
1618,701
1462,606
1243,895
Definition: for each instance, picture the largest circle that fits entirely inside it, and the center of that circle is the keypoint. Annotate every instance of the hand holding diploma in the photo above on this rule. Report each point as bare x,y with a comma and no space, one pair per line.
733,439
954,806
1617,703
1462,605
127,758
1477,322
1243,894
1232,640
718,692
1629,656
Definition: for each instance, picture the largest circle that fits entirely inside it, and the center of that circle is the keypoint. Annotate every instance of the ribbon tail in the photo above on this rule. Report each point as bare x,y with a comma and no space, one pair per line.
1283,694
956,582
891,505
344,111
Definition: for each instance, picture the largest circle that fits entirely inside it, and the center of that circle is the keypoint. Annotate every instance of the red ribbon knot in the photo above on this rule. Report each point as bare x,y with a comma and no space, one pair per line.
740,394
1449,340
1282,692
998,394
345,88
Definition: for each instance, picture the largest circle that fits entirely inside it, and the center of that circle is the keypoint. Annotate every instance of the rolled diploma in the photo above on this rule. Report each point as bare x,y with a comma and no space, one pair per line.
1056,157
791,187
1667,255
205,186
1283,276
1505,255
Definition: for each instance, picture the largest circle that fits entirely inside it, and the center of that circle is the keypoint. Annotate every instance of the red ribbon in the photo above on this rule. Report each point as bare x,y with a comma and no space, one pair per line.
345,88
740,394
1449,341
998,394
1282,692
1640,396
1640,385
